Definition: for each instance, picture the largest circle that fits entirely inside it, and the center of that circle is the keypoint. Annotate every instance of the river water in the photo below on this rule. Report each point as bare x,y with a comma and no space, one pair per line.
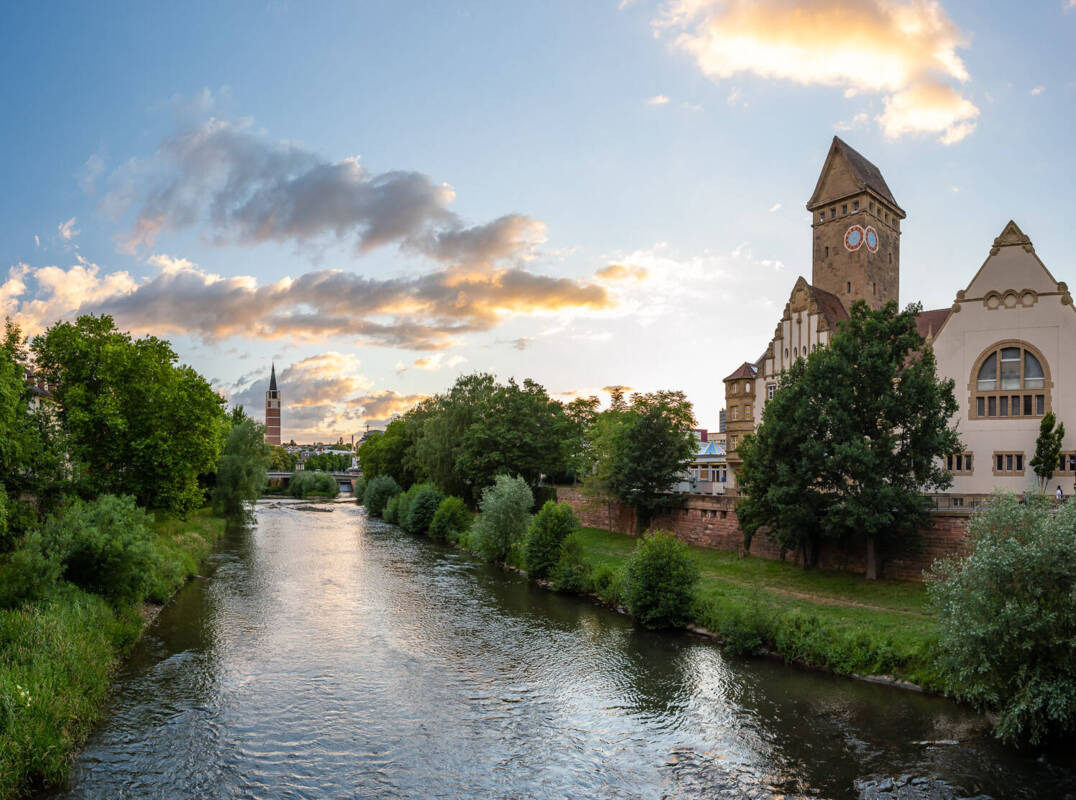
326,655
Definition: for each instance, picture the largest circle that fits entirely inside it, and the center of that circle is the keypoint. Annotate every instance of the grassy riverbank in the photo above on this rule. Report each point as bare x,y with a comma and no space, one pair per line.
57,657
829,620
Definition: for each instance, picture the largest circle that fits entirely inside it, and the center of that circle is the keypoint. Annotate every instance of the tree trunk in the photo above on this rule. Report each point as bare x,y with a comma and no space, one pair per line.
872,560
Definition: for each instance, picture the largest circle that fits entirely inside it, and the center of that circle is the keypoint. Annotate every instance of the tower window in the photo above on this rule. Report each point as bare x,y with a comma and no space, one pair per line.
822,217
887,216
827,251
890,258
833,212
872,206
849,287
844,208
855,205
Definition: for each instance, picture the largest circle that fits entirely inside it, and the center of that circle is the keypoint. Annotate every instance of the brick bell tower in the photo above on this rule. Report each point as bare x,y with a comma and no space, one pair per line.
855,222
272,410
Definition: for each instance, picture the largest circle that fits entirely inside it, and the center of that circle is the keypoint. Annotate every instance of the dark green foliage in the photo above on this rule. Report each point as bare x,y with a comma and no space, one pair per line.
548,530
136,422
543,495
360,489
1047,448
313,484
856,441
572,573
328,462
393,453
451,520
504,518
280,460
241,473
422,507
1007,614
659,580
377,494
391,514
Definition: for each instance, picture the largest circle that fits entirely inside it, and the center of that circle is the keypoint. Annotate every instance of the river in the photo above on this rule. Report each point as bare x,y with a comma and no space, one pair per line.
327,655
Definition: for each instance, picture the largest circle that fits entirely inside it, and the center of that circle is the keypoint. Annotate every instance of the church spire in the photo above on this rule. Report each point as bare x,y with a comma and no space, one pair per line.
272,378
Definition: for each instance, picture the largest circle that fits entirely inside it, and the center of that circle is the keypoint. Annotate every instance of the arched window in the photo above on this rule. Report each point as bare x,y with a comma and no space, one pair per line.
1011,379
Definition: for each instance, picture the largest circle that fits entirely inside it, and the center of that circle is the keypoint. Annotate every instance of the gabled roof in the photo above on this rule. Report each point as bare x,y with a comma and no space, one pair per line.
745,370
1012,264
829,305
928,323
833,184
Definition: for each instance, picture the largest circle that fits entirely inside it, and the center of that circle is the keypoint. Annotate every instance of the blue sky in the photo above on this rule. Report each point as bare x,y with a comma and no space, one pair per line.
507,155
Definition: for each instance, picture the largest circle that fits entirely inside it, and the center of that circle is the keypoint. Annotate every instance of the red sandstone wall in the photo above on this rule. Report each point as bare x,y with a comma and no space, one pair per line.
710,521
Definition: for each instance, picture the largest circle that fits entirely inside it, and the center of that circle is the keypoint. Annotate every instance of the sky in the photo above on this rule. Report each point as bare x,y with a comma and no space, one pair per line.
381,197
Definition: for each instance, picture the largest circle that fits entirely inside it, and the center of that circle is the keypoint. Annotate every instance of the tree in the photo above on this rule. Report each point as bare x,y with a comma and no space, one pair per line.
882,430
241,473
137,423
554,523
504,518
780,478
1047,448
1007,618
660,577
651,448
280,460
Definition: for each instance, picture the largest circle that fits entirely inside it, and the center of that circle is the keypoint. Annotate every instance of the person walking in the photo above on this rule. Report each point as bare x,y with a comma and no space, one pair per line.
1060,496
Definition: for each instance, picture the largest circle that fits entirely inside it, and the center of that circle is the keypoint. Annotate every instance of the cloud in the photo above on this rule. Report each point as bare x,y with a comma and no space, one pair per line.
438,361
37,240
859,119
903,48
424,312
68,231
379,407
1040,89
249,190
775,207
657,100
622,272
89,173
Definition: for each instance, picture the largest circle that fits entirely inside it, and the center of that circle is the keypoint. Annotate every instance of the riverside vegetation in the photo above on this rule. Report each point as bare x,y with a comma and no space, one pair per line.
102,517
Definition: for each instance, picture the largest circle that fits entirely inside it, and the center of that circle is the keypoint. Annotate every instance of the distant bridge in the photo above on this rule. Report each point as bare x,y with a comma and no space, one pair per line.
345,480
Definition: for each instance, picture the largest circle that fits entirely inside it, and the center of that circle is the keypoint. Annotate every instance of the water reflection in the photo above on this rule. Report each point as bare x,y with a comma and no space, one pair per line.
327,655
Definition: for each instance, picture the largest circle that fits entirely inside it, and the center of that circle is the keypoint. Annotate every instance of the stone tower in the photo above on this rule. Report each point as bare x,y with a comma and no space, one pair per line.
855,224
272,410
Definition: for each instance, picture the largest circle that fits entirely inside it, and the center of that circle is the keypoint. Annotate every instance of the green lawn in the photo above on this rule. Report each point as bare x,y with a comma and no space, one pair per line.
826,619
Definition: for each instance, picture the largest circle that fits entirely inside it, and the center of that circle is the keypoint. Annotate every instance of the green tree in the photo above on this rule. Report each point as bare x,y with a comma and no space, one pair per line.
659,580
504,518
280,460
780,478
451,520
1047,448
554,523
652,448
882,430
241,473
378,492
137,423
1007,618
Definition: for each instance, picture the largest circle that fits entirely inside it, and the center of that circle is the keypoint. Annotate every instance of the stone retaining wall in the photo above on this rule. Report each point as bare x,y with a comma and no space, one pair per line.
711,521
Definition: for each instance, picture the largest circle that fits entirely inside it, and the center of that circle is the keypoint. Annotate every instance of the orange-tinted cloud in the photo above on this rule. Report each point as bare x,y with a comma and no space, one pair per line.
622,272
906,49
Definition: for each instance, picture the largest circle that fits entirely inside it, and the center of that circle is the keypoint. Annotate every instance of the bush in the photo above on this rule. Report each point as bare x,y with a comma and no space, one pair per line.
421,507
504,517
1007,616
377,494
571,573
313,484
29,573
450,521
360,489
391,514
660,577
550,527
608,582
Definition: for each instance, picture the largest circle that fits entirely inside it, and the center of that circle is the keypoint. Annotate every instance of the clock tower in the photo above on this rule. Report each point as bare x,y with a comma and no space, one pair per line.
855,224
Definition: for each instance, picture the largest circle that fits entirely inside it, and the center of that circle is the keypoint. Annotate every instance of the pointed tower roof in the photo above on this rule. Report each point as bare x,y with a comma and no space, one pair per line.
272,378
846,172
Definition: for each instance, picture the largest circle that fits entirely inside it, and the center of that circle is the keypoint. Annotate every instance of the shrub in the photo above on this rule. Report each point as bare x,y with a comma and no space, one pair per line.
360,489
29,573
391,514
377,493
105,547
1007,617
421,507
547,532
450,521
313,484
608,582
660,577
504,517
403,505
741,636
571,573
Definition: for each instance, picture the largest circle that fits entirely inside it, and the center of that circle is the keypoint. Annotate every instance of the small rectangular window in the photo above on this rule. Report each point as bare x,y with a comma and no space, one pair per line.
1027,405
844,208
822,217
747,386
1008,462
1019,462
849,286
827,251
833,212
992,406
855,205
967,462
1004,407
871,206
1040,405
770,388
1016,405
1001,463
980,406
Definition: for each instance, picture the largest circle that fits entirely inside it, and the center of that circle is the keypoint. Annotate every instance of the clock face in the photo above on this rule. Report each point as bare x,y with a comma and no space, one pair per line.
853,238
871,237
